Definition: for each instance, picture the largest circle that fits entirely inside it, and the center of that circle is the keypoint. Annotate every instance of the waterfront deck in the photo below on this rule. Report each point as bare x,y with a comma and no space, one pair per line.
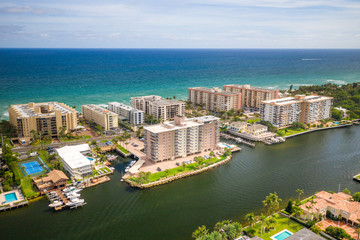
19,202
237,139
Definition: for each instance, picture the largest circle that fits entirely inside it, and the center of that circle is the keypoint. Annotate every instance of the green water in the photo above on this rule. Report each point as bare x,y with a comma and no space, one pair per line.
313,162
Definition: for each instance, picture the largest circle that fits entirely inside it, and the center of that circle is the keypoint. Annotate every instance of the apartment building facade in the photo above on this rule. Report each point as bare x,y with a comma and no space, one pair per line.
159,107
48,118
133,115
103,117
181,137
214,99
306,109
251,97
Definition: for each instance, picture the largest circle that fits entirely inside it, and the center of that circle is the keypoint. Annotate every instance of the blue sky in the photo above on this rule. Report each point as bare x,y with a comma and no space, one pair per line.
180,24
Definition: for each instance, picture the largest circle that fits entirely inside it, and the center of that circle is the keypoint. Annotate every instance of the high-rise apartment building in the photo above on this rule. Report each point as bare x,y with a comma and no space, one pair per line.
101,116
181,137
214,99
159,107
251,97
49,118
134,116
306,109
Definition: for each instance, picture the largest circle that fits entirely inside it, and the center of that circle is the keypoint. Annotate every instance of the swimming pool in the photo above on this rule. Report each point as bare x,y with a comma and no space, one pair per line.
91,159
32,167
281,235
10,197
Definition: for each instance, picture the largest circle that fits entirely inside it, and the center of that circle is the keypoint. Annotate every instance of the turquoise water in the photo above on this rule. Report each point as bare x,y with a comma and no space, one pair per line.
282,235
91,159
10,197
98,76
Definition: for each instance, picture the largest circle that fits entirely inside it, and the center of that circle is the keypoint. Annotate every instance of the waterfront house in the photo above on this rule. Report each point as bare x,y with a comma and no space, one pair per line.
344,112
338,204
256,130
55,179
238,126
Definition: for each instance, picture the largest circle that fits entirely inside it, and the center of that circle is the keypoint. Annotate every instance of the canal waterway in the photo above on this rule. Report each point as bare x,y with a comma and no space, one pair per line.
313,162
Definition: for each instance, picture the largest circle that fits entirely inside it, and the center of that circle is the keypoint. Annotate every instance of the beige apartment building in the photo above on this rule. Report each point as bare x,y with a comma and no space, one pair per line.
251,97
159,107
214,99
306,109
181,137
48,118
103,117
238,126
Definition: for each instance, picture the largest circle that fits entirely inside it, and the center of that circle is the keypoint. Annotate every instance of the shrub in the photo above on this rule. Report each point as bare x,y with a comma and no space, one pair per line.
336,232
289,207
356,196
250,232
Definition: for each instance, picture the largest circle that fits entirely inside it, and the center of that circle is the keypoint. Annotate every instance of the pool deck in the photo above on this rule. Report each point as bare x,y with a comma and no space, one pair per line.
14,204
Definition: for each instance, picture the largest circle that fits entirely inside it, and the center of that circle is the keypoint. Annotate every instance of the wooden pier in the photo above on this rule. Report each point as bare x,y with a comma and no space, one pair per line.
237,139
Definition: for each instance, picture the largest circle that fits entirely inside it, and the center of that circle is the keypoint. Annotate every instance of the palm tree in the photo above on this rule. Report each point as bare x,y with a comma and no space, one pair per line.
262,220
219,226
238,228
200,232
272,203
250,217
297,211
300,192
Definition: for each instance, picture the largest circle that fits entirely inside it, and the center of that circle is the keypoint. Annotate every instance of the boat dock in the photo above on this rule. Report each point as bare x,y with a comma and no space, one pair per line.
14,205
237,139
58,196
95,181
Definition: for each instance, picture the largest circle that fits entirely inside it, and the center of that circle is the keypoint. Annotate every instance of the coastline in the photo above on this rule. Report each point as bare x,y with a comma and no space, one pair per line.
176,177
319,129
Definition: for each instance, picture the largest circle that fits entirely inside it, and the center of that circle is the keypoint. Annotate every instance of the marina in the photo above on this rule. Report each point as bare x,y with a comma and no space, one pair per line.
67,198
238,140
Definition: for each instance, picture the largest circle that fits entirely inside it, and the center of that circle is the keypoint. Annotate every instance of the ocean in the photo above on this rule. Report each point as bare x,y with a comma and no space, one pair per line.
83,76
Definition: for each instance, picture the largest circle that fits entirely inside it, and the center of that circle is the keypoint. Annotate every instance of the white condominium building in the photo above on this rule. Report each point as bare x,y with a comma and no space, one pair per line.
101,116
214,99
181,137
159,107
74,160
134,116
306,109
251,97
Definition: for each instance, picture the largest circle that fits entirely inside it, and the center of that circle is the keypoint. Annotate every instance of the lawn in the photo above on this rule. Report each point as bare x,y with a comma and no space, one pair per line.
291,131
122,149
281,224
189,167
253,120
75,138
28,189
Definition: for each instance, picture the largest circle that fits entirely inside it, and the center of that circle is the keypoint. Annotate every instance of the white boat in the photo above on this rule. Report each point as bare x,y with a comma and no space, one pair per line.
72,195
68,189
127,169
112,157
56,204
74,202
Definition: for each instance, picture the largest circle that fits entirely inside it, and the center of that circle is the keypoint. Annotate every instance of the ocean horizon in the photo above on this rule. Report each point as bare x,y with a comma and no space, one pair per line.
78,76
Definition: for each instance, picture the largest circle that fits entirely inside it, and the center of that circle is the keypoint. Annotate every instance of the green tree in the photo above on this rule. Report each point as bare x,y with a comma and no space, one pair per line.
200,232
347,191
250,217
297,211
289,207
262,220
291,87
300,192
337,232
336,114
356,196
272,203
212,154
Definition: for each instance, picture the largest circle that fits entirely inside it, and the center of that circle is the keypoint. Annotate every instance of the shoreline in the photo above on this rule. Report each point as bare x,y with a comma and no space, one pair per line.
176,177
319,129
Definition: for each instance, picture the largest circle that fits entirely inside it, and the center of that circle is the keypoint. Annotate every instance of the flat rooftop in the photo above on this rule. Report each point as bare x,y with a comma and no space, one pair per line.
99,109
292,100
212,90
123,106
25,111
171,126
247,86
73,157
